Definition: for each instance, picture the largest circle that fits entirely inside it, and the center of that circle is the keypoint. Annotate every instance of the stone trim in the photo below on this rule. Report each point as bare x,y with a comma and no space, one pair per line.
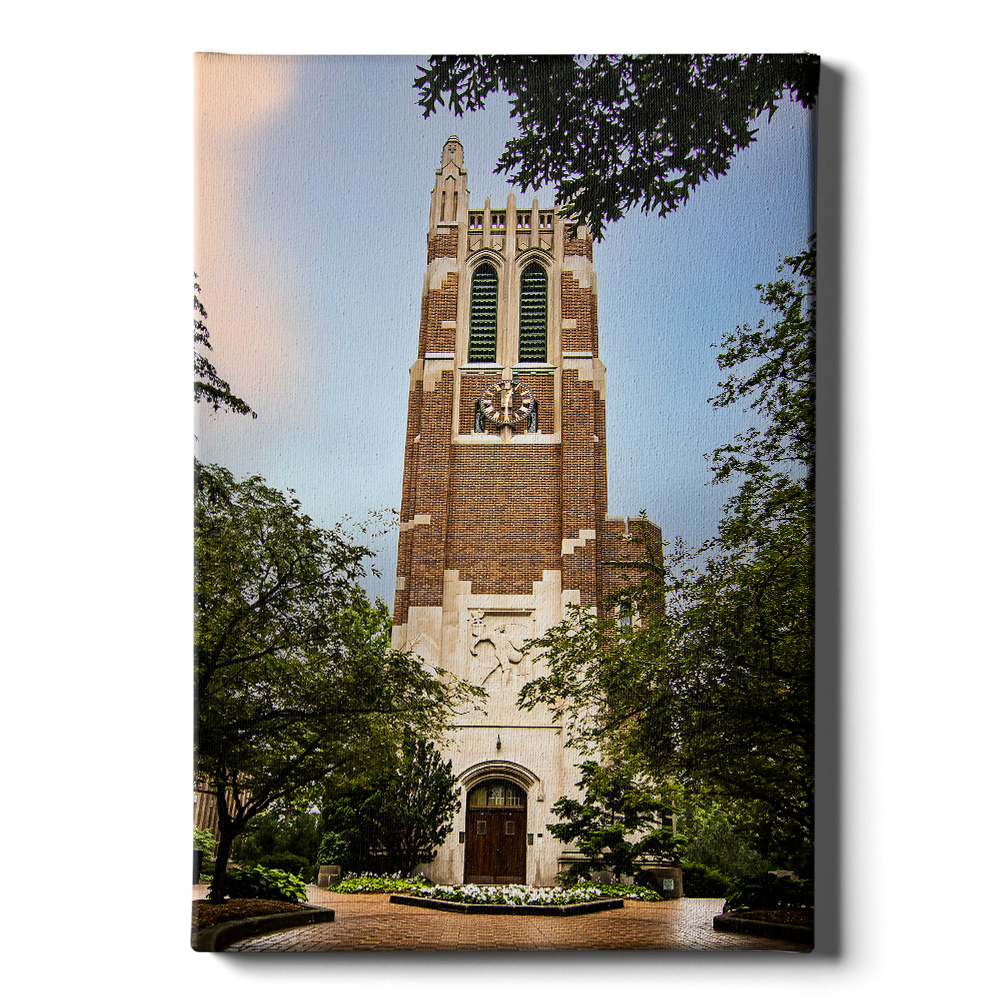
508,769
570,544
417,519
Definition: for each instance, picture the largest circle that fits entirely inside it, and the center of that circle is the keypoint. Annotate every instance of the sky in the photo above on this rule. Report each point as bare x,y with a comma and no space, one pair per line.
313,192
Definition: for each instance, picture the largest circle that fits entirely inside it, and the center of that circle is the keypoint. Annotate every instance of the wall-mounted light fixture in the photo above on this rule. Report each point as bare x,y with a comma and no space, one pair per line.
498,743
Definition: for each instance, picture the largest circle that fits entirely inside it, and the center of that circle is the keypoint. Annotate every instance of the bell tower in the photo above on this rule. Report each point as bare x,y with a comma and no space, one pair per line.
504,505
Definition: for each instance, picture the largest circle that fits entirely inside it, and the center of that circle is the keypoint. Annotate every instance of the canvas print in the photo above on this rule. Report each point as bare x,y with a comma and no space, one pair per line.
504,502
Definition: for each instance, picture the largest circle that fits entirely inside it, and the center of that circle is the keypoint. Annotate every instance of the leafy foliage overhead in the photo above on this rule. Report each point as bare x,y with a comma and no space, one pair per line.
612,132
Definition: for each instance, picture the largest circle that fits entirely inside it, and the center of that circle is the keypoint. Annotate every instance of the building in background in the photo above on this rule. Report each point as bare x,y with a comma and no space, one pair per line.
504,506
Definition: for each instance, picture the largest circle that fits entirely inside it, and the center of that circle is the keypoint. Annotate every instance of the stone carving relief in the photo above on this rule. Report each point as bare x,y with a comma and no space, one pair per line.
497,639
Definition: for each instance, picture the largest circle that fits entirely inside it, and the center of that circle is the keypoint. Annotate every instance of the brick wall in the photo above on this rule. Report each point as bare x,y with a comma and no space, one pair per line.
580,475
579,248
429,470
206,815
439,304
578,304
503,515
442,246
621,542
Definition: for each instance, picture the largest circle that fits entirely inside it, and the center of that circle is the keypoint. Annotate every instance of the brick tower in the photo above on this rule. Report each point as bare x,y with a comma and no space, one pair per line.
504,506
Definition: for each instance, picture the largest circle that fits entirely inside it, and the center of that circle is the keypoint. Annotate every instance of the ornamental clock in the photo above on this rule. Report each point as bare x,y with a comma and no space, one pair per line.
506,403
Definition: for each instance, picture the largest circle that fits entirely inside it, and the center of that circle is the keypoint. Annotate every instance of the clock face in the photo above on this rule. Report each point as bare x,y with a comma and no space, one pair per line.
506,403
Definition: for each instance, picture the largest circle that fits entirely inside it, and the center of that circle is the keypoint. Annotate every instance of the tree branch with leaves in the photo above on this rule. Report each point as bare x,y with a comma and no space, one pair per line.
208,383
615,132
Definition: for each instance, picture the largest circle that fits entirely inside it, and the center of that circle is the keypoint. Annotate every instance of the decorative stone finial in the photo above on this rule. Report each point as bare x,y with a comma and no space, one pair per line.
452,152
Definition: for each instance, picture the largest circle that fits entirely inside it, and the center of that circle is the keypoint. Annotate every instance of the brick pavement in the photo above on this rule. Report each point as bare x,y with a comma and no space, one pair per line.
372,923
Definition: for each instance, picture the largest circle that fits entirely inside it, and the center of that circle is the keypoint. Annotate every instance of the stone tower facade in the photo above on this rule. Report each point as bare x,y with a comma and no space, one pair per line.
504,507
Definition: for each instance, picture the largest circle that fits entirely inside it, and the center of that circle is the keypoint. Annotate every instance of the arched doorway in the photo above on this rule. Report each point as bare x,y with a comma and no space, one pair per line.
496,821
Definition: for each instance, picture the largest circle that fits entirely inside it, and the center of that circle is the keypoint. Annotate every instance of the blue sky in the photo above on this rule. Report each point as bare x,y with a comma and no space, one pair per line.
314,182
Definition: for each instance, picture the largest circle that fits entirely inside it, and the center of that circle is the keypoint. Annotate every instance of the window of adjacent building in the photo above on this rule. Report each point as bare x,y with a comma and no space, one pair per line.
483,314
625,613
533,315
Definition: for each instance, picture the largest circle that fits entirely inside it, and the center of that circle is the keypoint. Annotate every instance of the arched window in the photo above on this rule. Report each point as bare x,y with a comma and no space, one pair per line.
497,793
483,314
532,341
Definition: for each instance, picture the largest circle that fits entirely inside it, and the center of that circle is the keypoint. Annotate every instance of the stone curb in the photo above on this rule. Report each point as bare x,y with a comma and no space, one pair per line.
571,910
763,928
220,936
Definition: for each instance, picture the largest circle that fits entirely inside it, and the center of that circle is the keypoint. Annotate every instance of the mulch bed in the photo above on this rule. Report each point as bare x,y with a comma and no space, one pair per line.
205,914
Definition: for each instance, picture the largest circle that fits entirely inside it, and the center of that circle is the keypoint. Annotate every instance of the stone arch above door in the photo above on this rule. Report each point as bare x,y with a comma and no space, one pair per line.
505,769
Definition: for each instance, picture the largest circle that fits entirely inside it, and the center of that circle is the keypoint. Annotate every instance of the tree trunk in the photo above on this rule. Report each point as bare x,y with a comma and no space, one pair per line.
218,891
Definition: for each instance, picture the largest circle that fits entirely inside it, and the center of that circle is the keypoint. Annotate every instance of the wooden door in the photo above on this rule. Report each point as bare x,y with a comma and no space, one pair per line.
496,842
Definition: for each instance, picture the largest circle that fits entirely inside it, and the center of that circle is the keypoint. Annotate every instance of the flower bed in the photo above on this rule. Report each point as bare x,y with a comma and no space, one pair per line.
526,895
521,899
511,900
510,895
491,895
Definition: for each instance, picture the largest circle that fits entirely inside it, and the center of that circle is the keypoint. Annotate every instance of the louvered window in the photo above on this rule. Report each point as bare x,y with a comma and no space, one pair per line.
483,315
533,319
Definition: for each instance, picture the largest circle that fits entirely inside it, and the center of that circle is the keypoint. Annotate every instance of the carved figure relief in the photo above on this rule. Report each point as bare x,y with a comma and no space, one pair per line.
497,642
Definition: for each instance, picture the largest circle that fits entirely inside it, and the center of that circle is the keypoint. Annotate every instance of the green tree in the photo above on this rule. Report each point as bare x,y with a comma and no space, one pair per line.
716,687
282,829
612,132
397,820
781,387
622,819
208,384
294,675
720,834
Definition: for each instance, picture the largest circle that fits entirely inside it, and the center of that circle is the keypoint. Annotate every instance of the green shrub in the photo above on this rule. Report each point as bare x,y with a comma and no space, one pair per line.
333,850
703,882
205,842
653,882
265,883
277,833
636,891
380,883
294,863
769,892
